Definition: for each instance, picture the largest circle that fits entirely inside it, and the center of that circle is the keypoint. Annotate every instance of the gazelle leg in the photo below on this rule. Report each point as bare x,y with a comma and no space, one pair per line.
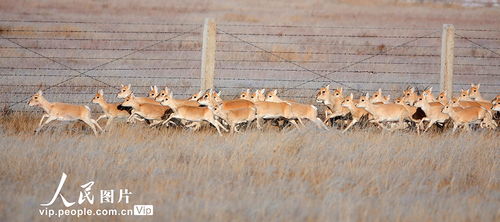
96,124
49,119
350,125
131,116
215,123
294,123
429,125
100,117
91,124
108,123
168,119
319,123
43,117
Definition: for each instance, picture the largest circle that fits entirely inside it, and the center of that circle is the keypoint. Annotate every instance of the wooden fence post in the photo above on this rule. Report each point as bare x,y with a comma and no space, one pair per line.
208,54
447,45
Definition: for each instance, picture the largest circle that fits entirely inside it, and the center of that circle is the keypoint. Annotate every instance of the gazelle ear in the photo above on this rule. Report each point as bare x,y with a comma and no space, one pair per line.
122,85
367,95
132,95
430,89
248,91
352,96
155,88
39,92
341,90
262,91
478,85
101,92
412,89
275,92
380,90
129,85
150,87
327,87
388,97
219,93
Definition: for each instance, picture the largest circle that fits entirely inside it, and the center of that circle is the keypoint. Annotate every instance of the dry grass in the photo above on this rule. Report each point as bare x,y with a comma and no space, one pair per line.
256,176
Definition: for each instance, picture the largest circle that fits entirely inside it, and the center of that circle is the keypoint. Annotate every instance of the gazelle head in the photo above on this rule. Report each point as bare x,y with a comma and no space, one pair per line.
196,96
245,95
447,109
207,98
387,99
428,94
442,97
377,96
399,101
496,107
37,99
454,102
323,94
348,101
464,95
163,94
153,92
421,100
496,100
258,95
99,96
474,91
124,91
409,95
272,96
364,101
338,92
129,101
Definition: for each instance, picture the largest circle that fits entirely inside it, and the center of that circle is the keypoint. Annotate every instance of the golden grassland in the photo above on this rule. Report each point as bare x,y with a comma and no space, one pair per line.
271,175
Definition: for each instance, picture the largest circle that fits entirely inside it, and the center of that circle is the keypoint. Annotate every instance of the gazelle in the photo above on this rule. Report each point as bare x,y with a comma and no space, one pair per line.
356,113
332,101
126,91
62,112
464,101
384,112
190,113
432,112
166,94
465,116
268,110
233,116
299,110
153,112
227,104
110,110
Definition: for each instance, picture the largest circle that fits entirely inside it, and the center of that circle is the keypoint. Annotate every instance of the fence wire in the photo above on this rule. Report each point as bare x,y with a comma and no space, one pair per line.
71,60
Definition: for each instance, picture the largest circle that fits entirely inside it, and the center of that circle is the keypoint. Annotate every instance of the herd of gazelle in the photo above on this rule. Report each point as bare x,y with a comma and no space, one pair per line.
160,107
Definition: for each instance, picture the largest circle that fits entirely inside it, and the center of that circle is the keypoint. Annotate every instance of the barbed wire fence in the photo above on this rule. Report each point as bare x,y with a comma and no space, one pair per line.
71,60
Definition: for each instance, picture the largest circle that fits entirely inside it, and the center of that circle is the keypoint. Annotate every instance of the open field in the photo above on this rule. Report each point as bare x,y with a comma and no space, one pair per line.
272,176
